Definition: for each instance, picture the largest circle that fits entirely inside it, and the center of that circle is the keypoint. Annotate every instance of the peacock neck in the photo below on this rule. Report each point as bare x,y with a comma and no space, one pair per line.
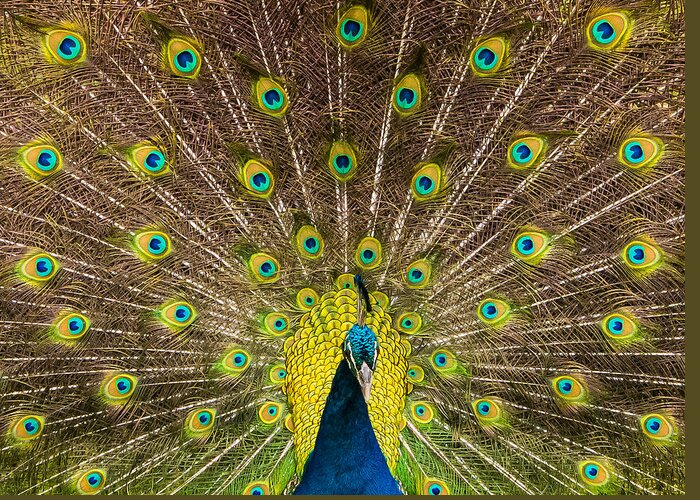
346,459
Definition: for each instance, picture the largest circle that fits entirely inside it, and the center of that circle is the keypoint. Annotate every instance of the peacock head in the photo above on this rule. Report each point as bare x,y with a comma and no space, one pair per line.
361,347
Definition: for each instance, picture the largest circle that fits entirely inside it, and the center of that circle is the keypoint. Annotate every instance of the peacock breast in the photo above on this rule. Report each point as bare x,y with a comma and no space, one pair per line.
312,356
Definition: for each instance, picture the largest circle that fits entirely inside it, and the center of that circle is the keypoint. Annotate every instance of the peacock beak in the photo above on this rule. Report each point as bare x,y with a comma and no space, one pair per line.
364,376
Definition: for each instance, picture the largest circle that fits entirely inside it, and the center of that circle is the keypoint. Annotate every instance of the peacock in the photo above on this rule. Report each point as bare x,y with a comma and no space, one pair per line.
342,247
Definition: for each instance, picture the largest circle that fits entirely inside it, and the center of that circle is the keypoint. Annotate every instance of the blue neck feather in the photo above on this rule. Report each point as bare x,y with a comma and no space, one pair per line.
346,459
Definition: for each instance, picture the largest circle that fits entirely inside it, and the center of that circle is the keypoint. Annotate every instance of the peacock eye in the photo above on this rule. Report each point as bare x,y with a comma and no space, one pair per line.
488,57
369,253
418,274
309,242
342,160
352,27
258,179
152,245
271,97
28,427
270,412
593,473
183,58
526,152
276,323
264,268
486,409
658,428
619,326
493,311
608,31
530,246
38,268
65,47
278,373
422,412
409,322
72,326
435,487
177,315
91,482
201,421
257,488
415,373
640,152
118,388
443,360
408,95
427,182
40,160
642,256
307,298
569,389
236,361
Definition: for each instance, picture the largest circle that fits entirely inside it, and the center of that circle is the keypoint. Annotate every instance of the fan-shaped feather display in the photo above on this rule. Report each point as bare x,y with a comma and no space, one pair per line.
188,189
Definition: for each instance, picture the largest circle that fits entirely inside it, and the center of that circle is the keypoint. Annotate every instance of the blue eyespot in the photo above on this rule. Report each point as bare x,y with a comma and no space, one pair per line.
268,268
407,323
272,410
525,245
653,425
94,479
367,256
485,58
32,426
76,325
424,185
155,161
69,48
260,181
239,360
157,245
636,254
484,408
280,324
603,32
204,417
182,313
522,153
616,324
591,471
420,410
185,60
351,30
342,163
46,161
406,97
634,153
415,276
44,267
311,244
435,489
257,491
273,99
489,310
441,360
565,386
123,385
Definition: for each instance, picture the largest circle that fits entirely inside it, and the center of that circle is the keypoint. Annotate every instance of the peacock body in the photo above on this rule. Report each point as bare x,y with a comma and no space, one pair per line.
188,189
